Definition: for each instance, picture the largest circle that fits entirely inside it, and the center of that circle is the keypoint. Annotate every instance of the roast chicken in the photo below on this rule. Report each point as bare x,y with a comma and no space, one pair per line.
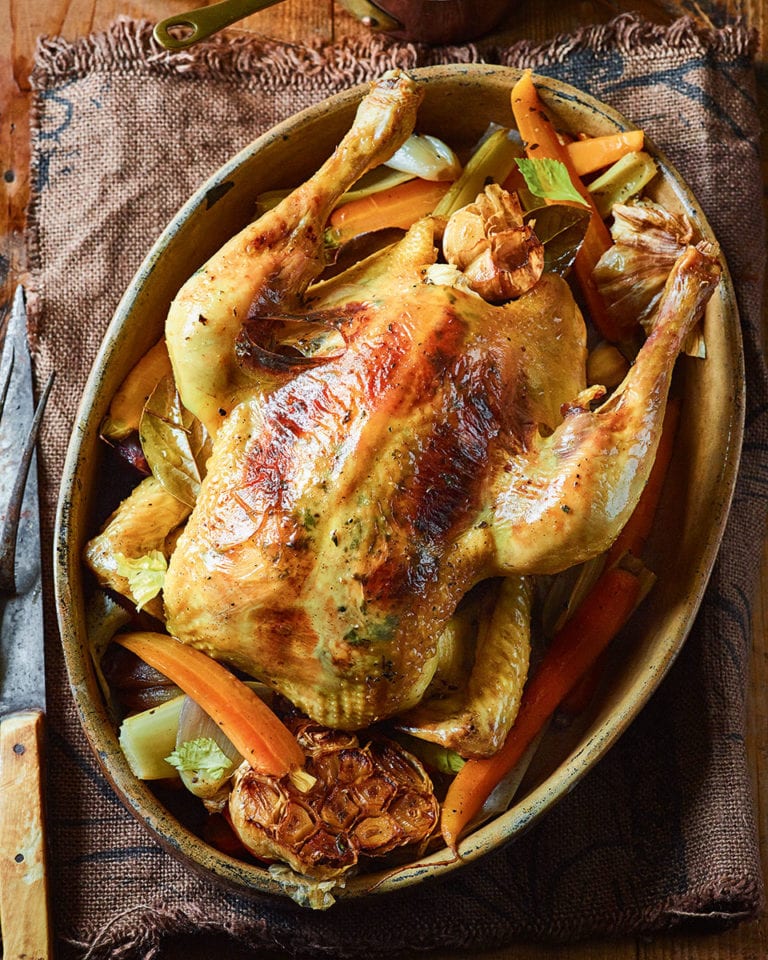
412,440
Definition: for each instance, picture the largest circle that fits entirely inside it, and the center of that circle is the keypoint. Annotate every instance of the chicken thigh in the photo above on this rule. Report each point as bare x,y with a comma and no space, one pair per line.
433,440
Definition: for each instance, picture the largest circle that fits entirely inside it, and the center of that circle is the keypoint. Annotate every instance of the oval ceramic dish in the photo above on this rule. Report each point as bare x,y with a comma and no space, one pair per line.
459,103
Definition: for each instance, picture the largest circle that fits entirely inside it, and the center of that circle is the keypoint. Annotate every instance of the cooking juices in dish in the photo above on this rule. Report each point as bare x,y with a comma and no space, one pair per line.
394,511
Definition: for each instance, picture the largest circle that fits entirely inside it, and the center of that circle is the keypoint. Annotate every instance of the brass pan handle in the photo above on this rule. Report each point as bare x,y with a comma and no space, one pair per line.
184,29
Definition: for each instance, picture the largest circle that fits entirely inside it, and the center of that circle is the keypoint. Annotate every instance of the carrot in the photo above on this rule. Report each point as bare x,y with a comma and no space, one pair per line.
594,153
580,696
399,206
637,529
219,833
256,732
515,182
541,142
598,619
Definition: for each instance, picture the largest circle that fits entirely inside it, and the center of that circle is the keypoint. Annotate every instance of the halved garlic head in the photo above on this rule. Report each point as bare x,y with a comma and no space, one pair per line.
498,253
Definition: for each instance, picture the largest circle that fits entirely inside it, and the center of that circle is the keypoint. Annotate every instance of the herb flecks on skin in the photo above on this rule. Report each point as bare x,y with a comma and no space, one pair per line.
375,631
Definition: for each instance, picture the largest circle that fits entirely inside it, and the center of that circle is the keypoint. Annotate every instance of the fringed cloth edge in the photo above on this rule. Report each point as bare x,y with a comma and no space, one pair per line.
143,930
128,46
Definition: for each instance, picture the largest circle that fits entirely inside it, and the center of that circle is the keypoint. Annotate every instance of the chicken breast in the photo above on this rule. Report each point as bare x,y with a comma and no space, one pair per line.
433,440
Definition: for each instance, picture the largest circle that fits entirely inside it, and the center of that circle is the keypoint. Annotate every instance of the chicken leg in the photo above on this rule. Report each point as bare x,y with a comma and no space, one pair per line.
569,496
275,258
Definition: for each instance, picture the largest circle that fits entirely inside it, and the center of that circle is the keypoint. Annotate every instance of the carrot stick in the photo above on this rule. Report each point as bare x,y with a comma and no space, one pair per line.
594,153
256,732
600,616
580,696
541,142
399,206
219,833
637,529
515,182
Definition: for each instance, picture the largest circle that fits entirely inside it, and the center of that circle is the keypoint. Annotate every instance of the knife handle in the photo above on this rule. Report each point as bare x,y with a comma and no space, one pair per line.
24,911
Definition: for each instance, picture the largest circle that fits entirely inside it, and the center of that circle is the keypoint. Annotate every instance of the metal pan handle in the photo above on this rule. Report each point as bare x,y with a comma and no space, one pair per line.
184,29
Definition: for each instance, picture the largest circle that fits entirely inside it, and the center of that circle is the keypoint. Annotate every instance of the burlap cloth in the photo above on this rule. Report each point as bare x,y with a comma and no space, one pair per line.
663,831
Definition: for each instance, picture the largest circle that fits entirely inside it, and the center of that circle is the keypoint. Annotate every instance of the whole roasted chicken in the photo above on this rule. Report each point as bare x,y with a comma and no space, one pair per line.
385,440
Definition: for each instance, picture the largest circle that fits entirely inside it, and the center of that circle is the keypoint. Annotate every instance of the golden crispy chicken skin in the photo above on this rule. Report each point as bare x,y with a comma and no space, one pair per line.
352,501
274,259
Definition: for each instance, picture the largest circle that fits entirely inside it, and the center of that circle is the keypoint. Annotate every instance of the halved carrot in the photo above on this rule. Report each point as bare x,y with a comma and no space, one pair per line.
541,142
598,619
219,833
515,182
579,697
594,153
399,206
256,732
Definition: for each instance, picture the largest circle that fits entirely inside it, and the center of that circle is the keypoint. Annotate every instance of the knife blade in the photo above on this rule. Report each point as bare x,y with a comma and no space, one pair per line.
24,907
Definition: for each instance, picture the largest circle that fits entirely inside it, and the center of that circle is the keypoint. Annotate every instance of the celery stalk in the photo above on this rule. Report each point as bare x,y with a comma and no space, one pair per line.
104,617
624,179
147,738
492,162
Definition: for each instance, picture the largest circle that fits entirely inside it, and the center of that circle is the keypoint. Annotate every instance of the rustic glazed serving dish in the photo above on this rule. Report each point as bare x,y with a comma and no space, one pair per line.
459,103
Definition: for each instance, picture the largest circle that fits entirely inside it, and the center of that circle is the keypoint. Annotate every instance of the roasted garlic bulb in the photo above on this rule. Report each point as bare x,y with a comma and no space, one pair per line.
632,273
366,801
499,255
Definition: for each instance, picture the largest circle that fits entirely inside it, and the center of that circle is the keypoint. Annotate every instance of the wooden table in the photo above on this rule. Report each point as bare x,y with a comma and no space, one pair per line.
24,20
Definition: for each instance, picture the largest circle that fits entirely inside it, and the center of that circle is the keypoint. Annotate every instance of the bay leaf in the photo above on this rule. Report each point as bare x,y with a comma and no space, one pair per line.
175,443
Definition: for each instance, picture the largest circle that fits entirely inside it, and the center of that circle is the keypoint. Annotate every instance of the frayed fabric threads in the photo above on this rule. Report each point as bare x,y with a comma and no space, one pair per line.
140,932
129,46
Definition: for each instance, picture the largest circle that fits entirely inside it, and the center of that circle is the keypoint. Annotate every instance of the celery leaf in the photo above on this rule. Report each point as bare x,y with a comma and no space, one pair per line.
145,575
549,179
202,756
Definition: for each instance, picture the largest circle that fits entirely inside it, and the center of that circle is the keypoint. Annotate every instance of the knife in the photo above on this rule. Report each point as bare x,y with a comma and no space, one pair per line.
24,907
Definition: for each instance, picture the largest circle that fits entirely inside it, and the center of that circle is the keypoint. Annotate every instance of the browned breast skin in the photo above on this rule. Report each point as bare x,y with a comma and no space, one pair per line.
329,544
346,513
349,506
